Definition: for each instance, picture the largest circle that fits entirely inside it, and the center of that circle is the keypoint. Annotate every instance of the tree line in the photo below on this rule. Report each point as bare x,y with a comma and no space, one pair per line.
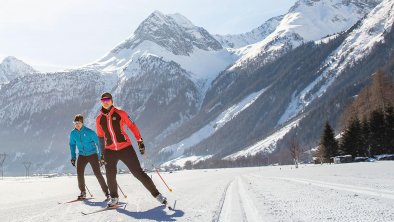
368,124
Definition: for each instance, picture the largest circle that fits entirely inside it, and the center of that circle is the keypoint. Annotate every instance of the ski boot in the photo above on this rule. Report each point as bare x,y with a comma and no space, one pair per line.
82,195
162,199
113,202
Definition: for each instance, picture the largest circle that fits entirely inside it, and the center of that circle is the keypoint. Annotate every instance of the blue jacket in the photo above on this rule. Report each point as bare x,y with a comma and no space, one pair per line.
86,140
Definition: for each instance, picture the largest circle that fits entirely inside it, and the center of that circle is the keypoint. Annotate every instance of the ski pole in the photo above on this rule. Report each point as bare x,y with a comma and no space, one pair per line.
157,171
88,191
124,195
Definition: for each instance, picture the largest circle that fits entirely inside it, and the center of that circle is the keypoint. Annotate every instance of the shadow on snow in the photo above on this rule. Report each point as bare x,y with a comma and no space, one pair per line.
157,213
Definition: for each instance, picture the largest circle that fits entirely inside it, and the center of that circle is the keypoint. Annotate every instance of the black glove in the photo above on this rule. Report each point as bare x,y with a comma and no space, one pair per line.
102,160
72,162
141,146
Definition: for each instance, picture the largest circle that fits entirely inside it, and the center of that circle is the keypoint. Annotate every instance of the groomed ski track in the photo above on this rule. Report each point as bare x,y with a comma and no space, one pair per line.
347,192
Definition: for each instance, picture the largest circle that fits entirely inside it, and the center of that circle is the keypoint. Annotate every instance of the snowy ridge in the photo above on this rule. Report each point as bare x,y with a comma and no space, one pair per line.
12,68
306,21
266,145
256,35
178,149
174,39
356,46
16,101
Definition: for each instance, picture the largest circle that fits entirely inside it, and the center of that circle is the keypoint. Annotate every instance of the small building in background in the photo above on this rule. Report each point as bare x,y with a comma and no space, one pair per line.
343,159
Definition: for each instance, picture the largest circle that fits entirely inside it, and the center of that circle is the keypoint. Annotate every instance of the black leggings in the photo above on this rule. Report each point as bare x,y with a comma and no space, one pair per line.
128,157
94,163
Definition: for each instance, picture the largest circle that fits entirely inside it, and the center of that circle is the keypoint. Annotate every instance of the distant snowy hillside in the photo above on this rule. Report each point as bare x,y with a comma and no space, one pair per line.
300,77
256,35
12,68
307,20
356,46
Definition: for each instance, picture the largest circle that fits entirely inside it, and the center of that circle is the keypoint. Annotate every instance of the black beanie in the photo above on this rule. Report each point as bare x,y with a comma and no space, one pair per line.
106,95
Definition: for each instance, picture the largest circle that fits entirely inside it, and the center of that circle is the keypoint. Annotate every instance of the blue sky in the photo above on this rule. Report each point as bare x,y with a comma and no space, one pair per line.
57,34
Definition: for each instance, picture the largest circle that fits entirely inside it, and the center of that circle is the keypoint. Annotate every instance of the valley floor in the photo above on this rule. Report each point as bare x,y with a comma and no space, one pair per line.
347,192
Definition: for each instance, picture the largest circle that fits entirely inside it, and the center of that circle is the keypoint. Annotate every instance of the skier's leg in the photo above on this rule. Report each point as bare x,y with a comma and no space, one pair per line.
94,163
111,158
81,164
129,157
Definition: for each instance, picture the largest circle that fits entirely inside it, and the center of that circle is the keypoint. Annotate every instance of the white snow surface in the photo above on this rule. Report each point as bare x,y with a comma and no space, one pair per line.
209,129
355,47
347,192
266,145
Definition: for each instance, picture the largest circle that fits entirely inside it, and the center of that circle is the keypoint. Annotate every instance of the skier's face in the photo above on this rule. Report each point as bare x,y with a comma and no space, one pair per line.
78,125
106,103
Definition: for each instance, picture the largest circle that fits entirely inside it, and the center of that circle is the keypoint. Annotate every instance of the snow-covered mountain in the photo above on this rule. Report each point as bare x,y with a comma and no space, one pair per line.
12,68
193,96
355,47
174,39
302,76
307,20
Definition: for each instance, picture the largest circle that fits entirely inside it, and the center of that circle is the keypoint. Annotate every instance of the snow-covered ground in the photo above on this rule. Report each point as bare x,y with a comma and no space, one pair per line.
347,192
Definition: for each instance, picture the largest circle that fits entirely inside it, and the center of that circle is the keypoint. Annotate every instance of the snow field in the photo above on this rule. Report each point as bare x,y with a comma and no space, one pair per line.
347,192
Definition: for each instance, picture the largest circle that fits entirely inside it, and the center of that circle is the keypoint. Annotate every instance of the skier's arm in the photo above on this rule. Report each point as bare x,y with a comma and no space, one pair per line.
73,147
97,144
100,135
131,125
136,133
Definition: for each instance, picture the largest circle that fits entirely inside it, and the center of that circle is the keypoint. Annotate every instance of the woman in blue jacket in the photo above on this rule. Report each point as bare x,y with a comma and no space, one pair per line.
88,152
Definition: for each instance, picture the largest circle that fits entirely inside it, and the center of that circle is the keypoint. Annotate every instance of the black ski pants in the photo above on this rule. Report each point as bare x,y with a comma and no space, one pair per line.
128,157
94,163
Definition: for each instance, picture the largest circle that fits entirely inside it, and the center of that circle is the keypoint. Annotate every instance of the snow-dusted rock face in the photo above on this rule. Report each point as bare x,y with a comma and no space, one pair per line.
174,39
172,32
12,68
307,20
356,46
256,35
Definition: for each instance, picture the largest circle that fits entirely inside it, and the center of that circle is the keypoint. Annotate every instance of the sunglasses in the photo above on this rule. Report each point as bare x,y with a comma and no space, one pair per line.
105,100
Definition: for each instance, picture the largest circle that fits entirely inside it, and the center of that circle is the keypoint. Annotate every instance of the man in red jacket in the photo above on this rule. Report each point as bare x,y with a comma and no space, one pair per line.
116,145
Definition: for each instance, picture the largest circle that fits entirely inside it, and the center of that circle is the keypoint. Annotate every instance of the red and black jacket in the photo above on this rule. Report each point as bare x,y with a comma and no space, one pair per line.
110,126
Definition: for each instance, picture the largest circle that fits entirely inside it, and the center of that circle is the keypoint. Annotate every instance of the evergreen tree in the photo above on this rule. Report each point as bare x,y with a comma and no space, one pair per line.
352,139
389,128
377,132
328,144
365,137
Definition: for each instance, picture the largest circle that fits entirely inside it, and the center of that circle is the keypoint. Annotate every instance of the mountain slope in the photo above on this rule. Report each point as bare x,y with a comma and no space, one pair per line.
174,38
12,68
256,35
307,20
308,75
